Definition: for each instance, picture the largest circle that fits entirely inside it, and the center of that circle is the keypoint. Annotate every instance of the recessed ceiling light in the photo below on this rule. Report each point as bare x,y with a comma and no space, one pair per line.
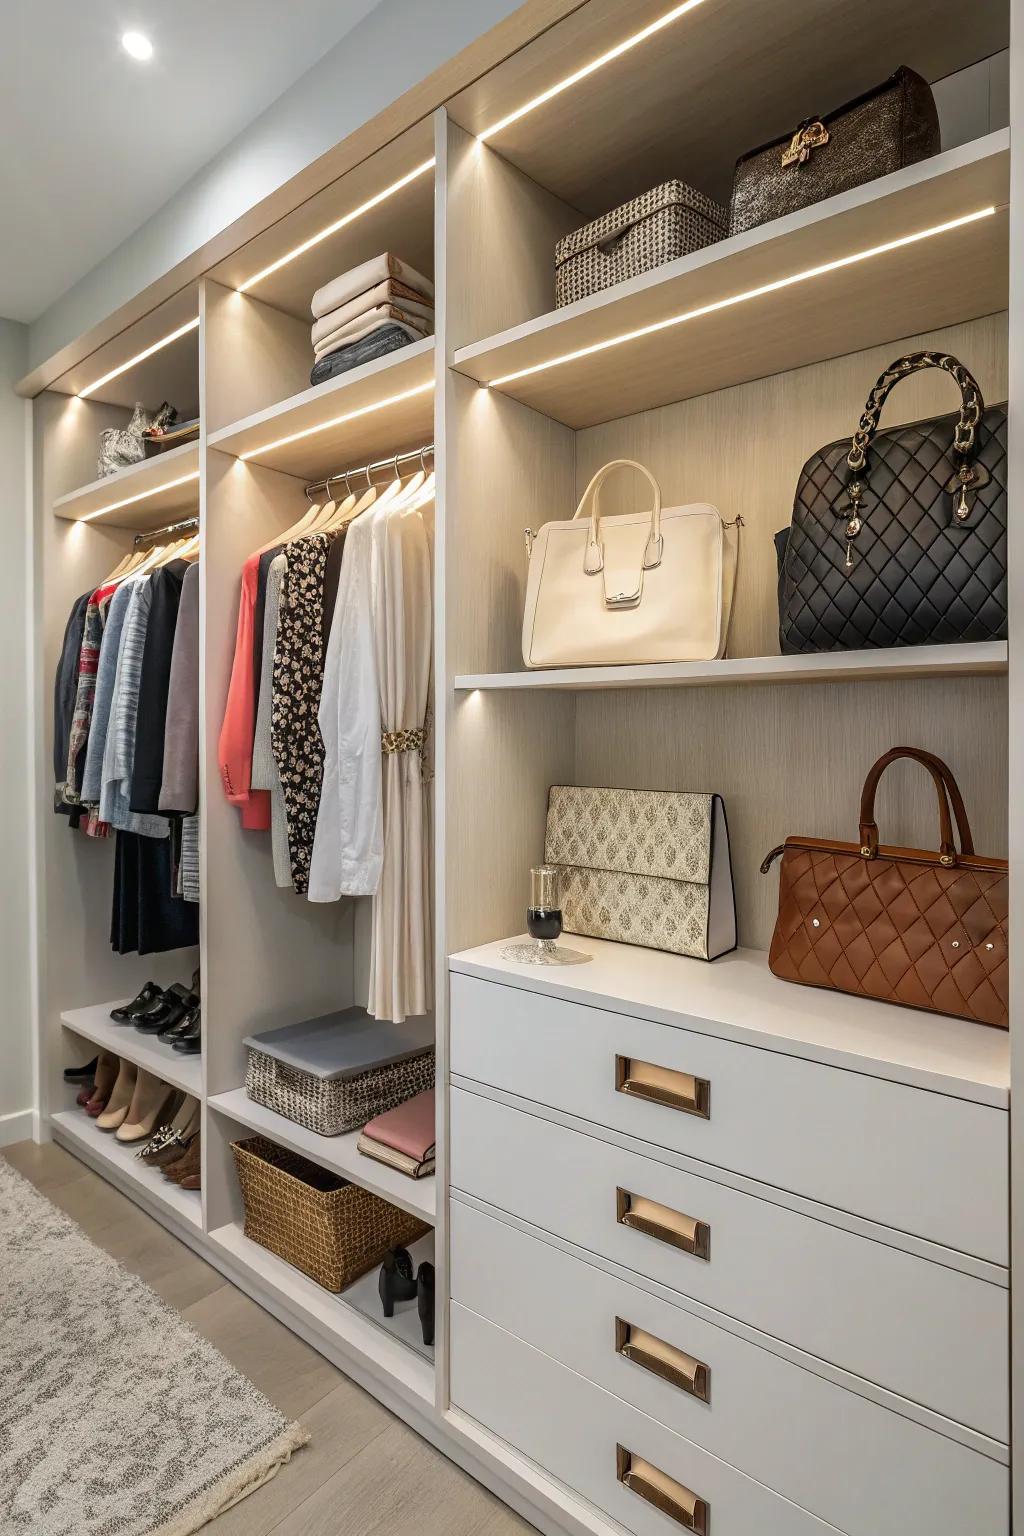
138,45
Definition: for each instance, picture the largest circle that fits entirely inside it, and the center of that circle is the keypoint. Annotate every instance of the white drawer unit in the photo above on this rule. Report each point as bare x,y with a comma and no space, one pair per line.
872,1472
921,1329
830,1134
633,1469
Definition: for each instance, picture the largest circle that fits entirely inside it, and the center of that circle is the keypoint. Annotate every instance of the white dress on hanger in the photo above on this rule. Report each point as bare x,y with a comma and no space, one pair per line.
348,845
401,970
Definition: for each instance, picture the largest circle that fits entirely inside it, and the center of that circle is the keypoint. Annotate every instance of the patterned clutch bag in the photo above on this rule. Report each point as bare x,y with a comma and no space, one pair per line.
646,867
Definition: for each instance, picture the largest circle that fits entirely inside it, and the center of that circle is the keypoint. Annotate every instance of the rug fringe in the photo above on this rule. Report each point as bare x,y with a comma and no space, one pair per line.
253,1473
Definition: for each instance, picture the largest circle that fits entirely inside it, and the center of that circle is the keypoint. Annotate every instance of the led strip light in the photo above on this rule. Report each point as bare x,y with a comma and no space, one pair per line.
488,133
140,357
590,69
741,298
332,229
129,501
336,421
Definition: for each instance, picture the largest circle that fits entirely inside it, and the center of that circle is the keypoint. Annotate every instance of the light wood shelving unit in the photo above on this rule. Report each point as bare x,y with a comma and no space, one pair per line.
730,339
725,406
143,496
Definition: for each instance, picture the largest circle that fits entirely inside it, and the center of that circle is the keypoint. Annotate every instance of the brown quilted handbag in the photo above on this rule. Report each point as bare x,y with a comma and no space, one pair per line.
902,925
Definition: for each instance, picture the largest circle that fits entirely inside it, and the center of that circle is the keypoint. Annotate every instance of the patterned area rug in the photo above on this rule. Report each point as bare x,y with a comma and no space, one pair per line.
116,1417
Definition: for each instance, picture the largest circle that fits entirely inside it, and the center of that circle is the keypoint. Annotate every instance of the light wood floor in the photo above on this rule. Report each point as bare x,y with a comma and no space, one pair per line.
364,1473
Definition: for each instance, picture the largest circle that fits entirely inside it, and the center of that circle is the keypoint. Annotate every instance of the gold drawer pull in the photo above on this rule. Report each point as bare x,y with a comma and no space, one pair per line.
663,1085
662,1222
674,1499
664,1360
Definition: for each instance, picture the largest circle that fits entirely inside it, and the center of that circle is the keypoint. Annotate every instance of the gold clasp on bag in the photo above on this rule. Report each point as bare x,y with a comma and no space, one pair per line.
808,136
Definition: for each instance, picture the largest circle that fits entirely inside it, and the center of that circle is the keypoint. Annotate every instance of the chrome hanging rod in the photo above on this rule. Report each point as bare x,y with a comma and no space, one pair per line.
156,533
371,469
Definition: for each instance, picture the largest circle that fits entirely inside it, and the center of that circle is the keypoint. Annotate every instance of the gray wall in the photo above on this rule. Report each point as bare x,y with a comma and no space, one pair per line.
16,1091
393,49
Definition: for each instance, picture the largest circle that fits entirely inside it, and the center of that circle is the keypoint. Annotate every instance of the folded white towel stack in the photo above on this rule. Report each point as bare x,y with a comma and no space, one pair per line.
384,291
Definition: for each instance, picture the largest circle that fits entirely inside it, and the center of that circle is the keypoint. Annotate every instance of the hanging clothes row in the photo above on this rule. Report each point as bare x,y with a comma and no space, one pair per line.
324,732
126,735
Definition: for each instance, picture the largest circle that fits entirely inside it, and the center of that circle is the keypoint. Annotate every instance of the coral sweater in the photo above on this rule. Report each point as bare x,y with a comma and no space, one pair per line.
234,751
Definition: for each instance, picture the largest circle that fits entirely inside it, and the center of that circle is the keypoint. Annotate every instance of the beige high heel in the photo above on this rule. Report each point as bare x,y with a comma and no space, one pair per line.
120,1101
151,1097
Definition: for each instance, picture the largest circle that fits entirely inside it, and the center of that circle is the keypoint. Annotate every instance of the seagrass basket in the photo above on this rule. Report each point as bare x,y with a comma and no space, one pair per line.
332,1230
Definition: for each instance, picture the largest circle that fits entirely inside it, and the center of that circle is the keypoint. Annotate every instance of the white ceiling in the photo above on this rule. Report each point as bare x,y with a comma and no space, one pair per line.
94,143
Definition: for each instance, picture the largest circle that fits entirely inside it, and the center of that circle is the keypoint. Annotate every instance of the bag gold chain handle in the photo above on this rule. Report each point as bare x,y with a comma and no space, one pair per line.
972,407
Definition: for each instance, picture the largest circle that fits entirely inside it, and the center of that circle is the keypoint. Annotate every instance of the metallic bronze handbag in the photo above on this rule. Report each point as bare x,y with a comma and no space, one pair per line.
927,930
894,125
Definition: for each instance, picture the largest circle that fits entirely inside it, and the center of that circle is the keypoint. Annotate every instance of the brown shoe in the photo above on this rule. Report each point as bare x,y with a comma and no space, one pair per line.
189,1164
191,1181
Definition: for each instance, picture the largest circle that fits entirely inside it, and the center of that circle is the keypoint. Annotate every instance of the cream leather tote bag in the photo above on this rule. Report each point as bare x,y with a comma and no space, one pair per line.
647,587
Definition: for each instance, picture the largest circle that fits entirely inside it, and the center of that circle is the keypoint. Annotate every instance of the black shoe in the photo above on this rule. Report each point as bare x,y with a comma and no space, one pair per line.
182,1026
128,1012
425,1300
189,1039
81,1074
396,1281
171,1008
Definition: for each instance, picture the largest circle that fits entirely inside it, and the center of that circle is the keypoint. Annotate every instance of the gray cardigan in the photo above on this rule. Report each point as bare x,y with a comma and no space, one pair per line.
179,790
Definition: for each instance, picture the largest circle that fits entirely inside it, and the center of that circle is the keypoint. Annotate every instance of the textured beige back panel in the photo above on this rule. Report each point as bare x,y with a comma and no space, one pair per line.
743,448
792,759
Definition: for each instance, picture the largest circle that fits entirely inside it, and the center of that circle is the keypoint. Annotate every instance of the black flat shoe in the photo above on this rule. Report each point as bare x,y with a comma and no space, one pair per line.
189,1039
425,1300
396,1281
150,995
171,1008
81,1074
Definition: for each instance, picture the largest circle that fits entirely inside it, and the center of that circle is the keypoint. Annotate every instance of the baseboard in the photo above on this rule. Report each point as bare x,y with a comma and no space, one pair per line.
20,1126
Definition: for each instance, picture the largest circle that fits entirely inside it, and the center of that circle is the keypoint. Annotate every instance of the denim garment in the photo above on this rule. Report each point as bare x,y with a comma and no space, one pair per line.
388,339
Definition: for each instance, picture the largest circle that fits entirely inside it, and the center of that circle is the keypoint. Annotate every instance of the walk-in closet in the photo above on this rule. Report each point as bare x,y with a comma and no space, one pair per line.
706,1248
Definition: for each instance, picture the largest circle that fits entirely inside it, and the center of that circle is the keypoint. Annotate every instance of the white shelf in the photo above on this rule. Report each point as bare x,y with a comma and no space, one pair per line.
738,998
328,1319
147,1051
948,278
150,488
117,1162
361,415
339,1154
839,666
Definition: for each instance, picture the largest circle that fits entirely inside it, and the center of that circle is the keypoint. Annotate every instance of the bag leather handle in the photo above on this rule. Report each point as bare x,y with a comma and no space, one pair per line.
593,560
972,405
945,783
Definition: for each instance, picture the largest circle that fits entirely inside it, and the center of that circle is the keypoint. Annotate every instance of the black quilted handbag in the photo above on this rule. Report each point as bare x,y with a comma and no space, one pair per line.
899,538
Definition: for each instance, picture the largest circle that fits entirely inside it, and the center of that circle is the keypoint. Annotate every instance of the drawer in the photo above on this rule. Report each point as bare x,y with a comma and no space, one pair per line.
872,1473
927,1332
918,1161
578,1433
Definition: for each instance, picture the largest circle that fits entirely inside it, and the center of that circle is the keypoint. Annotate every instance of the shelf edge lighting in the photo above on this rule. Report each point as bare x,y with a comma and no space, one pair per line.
589,69
742,298
140,357
155,490
337,421
332,229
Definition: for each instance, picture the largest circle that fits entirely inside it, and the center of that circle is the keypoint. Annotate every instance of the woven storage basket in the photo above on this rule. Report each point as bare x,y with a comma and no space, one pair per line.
669,221
331,1106
332,1230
